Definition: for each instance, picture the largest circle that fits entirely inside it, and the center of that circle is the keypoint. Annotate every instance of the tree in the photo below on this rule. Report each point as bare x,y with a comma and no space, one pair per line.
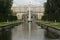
52,10
5,9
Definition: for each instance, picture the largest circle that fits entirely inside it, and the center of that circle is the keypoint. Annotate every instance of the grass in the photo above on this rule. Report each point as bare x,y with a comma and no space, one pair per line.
9,22
49,23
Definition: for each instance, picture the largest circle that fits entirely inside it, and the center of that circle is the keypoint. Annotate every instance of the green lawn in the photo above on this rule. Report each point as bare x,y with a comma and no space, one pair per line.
9,22
53,24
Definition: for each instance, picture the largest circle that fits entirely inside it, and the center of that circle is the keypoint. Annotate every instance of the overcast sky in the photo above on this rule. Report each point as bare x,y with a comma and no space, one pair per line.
25,2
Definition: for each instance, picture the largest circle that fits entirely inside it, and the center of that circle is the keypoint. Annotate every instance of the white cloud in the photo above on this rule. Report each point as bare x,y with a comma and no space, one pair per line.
25,2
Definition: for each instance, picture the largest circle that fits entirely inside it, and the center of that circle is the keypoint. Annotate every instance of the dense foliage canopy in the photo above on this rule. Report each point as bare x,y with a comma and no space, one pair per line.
52,10
5,9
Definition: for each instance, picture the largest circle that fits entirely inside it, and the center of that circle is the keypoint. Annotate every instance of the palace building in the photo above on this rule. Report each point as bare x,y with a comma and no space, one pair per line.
20,11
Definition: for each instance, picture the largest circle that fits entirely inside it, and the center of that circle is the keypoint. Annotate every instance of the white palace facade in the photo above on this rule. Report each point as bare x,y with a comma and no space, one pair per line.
23,10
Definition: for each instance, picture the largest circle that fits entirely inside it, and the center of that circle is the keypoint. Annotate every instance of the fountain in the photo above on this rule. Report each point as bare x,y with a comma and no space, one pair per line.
29,19
29,22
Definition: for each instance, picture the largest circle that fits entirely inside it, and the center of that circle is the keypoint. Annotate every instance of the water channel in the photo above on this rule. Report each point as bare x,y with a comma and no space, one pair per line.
29,30
22,32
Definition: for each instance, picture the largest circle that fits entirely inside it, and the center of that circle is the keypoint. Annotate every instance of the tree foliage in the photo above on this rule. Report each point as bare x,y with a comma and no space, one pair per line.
5,6
5,9
52,10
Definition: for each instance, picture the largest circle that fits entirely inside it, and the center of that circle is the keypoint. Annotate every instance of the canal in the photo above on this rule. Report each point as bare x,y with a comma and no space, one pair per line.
35,32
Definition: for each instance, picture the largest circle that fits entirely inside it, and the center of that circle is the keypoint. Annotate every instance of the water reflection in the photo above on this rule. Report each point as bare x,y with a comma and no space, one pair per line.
22,32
